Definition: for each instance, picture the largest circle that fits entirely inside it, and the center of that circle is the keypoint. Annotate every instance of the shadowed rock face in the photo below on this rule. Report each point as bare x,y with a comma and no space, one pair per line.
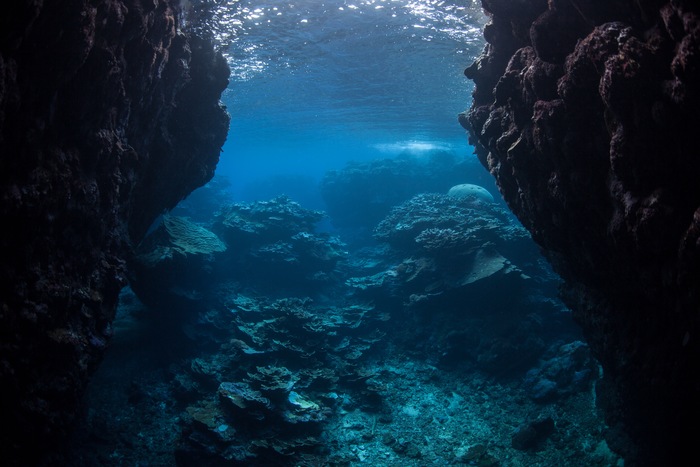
108,116
586,113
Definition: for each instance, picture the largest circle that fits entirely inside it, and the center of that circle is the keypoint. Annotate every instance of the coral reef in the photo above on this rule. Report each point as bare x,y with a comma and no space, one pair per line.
278,410
360,195
275,242
584,113
393,408
448,257
380,362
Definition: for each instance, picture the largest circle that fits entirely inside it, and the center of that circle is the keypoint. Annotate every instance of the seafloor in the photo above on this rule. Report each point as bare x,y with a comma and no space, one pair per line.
426,333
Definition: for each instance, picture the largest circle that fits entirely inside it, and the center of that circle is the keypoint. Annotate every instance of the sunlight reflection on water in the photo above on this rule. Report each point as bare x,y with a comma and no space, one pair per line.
316,83
276,30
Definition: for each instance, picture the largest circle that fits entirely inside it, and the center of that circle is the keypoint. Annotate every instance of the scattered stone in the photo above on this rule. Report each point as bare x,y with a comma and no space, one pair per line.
532,435
571,369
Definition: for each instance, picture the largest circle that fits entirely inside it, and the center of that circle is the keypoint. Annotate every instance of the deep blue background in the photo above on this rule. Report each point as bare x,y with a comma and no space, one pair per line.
318,83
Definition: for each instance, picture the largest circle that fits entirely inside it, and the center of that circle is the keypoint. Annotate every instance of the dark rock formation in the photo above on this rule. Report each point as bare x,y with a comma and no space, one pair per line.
585,112
108,116
532,435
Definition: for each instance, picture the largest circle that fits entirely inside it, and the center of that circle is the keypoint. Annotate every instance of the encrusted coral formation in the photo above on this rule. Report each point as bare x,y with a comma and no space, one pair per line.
319,352
175,260
448,242
277,241
241,224
586,113
109,115
475,224
281,376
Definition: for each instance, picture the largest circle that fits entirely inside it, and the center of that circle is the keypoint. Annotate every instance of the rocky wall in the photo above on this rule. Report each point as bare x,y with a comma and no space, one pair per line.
586,113
109,115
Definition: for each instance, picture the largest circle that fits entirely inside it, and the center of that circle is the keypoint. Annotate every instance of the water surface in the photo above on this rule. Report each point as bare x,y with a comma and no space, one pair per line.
317,83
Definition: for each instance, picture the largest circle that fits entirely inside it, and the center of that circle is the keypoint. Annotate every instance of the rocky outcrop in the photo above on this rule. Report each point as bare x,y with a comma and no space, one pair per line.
361,194
584,113
108,116
463,273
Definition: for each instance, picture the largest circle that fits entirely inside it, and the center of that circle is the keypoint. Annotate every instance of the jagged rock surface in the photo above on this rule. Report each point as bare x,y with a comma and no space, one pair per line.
108,116
584,113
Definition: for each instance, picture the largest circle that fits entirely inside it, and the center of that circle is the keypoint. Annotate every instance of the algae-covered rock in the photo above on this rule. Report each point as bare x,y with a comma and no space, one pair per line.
571,369
533,434
209,418
304,410
476,454
272,379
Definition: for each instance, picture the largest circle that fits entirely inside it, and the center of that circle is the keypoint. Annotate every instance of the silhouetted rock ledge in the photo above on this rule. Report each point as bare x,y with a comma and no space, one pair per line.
108,116
586,113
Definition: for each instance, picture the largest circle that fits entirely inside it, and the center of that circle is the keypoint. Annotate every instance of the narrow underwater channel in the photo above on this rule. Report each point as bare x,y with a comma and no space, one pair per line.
349,289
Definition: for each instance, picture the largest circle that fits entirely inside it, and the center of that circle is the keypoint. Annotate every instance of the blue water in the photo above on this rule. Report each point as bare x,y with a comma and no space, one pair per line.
315,84
404,329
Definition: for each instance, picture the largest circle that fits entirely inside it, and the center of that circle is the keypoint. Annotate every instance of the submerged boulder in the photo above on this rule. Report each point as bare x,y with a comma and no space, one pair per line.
468,190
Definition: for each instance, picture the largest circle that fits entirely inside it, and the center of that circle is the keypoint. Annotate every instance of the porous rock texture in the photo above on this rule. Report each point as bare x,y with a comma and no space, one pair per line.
108,116
586,113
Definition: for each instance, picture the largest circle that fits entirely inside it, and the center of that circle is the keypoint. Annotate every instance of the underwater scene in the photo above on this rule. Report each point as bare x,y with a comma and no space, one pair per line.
350,288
